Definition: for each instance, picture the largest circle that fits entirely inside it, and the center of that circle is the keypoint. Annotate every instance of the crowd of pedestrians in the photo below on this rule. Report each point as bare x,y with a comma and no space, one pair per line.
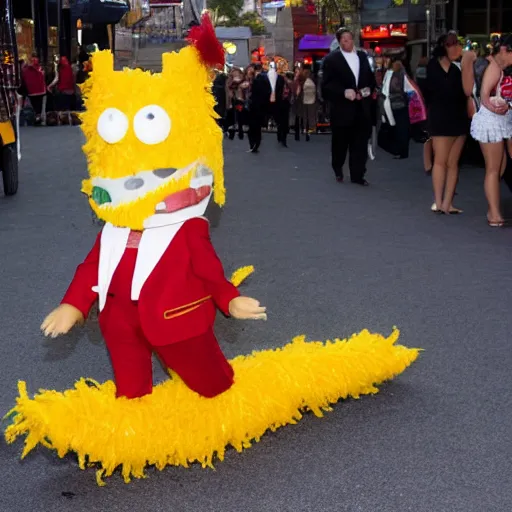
251,99
455,100
51,93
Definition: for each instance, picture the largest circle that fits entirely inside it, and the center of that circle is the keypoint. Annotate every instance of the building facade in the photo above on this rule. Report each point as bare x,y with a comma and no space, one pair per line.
385,12
50,27
471,17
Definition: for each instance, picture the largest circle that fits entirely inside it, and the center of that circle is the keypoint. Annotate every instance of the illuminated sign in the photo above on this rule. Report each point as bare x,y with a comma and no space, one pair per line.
384,31
7,58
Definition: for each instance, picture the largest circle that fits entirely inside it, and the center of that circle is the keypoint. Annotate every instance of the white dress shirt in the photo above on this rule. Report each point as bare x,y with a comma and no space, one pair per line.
272,78
353,61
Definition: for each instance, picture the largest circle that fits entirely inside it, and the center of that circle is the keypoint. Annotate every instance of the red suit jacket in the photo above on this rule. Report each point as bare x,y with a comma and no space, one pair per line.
178,300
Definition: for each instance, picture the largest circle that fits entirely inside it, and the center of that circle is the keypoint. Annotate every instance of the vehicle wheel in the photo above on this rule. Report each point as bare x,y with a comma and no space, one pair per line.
10,169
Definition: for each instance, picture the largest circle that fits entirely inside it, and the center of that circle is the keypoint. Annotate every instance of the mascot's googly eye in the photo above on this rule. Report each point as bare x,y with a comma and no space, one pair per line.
152,124
112,125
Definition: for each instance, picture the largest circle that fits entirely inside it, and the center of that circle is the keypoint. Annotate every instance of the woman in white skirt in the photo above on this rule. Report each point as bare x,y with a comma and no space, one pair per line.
492,125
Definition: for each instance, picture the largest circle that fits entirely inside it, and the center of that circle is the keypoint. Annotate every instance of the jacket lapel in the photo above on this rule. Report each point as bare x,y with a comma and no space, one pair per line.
152,246
348,69
112,246
362,64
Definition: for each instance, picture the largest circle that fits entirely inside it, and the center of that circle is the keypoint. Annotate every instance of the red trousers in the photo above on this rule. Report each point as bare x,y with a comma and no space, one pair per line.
198,361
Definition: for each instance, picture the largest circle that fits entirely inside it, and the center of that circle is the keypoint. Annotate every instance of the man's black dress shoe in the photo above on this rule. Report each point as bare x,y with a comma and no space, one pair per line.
362,182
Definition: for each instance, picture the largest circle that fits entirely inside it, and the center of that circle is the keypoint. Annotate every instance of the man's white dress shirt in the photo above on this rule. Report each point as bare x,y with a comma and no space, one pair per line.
353,61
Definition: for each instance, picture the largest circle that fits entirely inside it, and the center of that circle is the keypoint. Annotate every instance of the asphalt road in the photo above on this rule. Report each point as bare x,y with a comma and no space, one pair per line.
331,260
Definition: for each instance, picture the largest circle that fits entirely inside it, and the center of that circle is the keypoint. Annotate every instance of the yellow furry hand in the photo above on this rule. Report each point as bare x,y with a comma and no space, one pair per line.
61,320
245,308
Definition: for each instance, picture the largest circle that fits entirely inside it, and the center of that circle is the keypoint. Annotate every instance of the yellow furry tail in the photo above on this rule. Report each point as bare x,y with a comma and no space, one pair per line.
175,426
240,275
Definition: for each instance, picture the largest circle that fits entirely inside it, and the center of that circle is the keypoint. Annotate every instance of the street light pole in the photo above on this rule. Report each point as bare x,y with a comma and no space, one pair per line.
429,32
59,27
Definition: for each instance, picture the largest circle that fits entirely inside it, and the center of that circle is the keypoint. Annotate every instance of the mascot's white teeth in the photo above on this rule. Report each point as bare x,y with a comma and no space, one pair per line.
200,189
112,192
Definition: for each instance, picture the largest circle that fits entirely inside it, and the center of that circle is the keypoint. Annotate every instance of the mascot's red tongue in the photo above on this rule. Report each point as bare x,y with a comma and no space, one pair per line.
185,198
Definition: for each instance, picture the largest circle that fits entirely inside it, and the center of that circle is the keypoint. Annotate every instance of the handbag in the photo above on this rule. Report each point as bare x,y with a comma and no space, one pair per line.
417,111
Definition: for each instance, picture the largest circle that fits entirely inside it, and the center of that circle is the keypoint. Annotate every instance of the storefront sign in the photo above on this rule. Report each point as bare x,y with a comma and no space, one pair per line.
384,31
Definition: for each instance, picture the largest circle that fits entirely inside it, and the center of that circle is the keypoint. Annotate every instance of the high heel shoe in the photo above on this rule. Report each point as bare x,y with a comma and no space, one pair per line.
506,223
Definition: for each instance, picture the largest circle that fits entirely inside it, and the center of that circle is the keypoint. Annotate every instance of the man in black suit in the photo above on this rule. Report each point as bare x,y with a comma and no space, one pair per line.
259,100
279,104
348,84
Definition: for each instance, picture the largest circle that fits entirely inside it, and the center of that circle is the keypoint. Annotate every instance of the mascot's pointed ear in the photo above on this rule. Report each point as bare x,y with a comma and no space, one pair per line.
102,62
204,40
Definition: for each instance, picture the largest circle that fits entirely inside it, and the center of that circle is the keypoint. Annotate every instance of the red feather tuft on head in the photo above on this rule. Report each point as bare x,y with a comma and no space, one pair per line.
206,43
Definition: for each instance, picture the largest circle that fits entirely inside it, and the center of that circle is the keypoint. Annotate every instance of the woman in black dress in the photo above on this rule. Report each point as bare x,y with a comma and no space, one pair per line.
448,121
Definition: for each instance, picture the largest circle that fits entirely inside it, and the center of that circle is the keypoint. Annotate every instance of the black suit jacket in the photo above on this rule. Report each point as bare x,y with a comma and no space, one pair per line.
219,93
337,78
281,101
260,94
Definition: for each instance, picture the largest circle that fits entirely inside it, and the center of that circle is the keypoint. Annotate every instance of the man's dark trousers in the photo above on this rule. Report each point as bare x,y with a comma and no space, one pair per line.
354,139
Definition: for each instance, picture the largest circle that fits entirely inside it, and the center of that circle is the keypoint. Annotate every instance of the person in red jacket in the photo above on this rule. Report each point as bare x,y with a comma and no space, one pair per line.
153,270
65,86
34,82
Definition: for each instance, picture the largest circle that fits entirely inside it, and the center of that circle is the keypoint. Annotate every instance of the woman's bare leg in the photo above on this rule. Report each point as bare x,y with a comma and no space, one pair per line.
442,147
452,174
427,155
493,155
503,163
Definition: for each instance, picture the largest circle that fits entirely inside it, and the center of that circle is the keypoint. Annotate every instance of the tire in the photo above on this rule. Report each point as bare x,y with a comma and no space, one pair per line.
10,169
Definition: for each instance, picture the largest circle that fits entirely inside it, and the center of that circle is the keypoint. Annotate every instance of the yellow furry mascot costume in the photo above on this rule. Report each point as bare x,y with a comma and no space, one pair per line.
155,161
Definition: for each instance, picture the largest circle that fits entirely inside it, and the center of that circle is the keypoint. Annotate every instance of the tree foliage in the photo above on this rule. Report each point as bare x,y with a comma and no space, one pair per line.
254,21
226,10
227,13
